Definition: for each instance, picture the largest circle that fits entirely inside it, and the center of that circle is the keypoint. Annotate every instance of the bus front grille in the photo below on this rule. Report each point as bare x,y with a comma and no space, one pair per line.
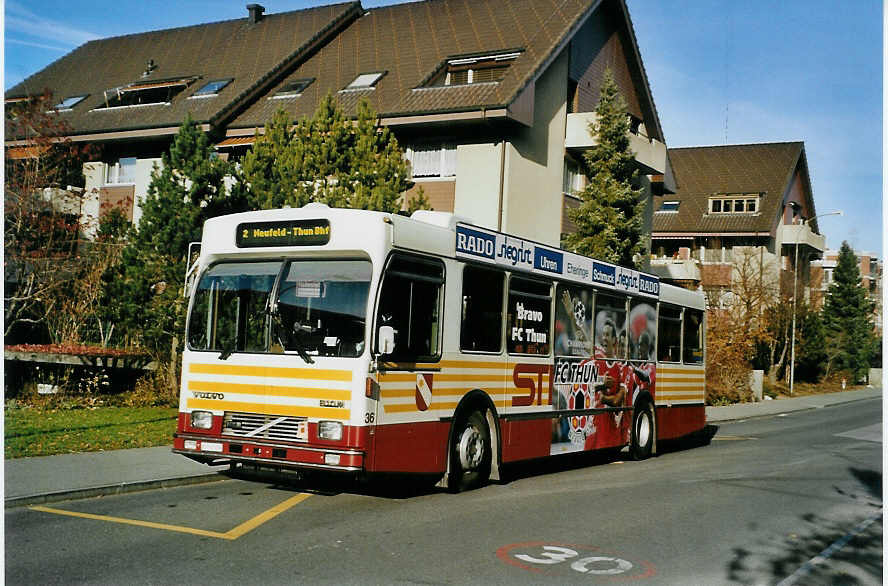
269,427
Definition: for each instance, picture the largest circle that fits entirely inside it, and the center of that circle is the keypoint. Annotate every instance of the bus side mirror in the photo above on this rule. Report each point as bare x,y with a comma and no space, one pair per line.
386,339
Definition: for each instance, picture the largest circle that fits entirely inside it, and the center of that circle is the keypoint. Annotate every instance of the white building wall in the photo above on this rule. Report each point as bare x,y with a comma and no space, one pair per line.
478,168
534,165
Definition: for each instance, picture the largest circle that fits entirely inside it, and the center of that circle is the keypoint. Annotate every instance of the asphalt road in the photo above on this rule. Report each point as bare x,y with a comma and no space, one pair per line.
757,505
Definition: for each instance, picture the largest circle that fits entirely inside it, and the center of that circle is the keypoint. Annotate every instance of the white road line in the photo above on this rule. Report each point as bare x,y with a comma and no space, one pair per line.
828,552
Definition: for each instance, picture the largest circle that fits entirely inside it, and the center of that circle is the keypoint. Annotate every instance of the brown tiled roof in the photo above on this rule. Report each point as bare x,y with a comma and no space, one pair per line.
701,172
411,41
247,52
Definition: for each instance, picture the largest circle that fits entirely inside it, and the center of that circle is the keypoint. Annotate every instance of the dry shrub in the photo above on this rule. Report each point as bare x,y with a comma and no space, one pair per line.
154,389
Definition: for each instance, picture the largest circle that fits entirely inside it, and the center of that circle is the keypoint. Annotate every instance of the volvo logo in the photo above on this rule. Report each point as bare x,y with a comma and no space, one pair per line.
215,396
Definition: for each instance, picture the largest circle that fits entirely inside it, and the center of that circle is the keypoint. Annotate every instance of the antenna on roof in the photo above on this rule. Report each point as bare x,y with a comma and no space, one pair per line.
255,11
149,67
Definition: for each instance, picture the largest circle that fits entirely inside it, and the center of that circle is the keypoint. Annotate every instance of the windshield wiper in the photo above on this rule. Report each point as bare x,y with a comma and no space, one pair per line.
292,339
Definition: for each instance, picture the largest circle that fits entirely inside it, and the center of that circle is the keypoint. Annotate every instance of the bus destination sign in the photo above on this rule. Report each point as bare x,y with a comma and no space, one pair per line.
283,233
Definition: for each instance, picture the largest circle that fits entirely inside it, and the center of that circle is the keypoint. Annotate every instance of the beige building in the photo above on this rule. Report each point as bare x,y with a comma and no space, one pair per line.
491,98
738,211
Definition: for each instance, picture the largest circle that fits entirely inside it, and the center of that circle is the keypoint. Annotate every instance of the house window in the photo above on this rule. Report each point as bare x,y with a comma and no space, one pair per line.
70,102
432,160
365,81
734,203
669,206
145,93
573,178
292,89
211,88
123,171
469,70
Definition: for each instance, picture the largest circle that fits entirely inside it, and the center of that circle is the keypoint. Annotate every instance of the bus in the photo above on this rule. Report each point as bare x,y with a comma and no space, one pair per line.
367,342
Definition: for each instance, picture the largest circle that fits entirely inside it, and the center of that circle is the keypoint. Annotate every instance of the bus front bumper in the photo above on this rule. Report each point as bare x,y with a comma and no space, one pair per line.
218,451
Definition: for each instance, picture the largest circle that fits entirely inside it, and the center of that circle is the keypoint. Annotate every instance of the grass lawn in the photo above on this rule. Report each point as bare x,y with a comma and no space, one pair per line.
35,431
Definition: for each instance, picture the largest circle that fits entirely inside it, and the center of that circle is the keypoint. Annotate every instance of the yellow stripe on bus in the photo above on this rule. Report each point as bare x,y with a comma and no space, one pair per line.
271,372
261,408
690,369
409,378
275,391
680,379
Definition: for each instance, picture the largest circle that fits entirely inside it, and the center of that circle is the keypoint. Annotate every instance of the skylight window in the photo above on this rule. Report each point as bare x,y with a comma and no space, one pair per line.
70,102
365,81
292,89
669,206
211,89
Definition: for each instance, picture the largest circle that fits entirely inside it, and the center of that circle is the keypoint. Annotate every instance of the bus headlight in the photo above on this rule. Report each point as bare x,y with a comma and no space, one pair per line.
330,430
202,419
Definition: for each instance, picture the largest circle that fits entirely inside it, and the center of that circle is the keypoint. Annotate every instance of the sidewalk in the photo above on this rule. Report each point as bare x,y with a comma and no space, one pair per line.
69,476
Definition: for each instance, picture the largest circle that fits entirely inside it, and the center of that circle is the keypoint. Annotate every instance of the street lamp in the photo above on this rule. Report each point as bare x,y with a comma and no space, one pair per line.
795,286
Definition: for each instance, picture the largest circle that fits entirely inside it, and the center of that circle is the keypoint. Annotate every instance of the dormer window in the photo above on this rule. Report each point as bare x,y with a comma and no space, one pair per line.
69,102
734,203
292,89
470,70
365,81
211,88
147,93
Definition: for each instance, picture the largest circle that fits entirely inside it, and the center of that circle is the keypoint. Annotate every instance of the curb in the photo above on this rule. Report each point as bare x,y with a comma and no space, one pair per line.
112,489
787,411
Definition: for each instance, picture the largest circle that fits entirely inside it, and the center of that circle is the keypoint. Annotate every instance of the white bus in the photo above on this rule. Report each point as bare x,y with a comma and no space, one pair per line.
364,342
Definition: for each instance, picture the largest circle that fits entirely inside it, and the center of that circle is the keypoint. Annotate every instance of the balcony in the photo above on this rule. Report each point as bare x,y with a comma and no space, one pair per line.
650,154
801,235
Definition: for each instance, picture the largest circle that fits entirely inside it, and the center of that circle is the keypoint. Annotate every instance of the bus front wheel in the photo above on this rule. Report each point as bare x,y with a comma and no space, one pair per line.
643,430
470,454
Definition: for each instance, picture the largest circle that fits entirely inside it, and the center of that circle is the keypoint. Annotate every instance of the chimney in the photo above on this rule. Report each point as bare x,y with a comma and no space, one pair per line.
255,11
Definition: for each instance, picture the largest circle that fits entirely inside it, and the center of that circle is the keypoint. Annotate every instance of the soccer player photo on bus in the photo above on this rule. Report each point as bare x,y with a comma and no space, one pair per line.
593,370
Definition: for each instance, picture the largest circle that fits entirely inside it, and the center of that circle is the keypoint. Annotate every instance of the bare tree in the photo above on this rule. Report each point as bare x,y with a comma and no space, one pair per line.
42,211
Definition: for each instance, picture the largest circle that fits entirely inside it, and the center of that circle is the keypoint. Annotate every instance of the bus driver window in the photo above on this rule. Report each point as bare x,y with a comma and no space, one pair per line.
410,303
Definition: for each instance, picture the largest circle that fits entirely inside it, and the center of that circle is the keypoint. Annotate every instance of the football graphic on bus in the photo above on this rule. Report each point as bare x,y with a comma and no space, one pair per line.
423,391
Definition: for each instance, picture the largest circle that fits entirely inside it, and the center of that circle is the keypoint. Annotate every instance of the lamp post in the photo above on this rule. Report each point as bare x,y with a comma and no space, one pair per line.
795,286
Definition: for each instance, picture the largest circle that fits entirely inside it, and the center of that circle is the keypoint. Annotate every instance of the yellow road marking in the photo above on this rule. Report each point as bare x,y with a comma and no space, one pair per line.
233,534
733,438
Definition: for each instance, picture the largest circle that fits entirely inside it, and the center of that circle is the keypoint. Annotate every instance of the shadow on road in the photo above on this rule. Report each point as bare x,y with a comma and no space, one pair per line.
404,486
852,548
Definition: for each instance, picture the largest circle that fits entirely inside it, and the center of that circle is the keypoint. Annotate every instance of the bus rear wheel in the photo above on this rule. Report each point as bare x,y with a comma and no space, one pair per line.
470,453
643,431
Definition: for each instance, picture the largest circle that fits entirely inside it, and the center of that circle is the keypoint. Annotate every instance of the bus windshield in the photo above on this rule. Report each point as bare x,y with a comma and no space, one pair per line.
311,307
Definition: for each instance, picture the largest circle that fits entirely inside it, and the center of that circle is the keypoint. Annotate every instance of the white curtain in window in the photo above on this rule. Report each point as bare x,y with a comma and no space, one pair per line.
127,172
433,160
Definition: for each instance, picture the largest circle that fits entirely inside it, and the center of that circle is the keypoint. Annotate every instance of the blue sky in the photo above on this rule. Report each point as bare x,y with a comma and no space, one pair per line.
721,72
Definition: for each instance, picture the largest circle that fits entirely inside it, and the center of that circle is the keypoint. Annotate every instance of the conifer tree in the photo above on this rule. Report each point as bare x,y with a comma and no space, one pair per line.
847,315
609,219
144,292
330,159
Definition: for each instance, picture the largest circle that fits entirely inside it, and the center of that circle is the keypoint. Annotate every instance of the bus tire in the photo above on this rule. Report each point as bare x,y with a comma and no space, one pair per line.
643,431
470,453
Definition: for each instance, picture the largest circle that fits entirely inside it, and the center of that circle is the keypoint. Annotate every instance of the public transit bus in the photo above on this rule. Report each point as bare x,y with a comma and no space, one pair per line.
365,342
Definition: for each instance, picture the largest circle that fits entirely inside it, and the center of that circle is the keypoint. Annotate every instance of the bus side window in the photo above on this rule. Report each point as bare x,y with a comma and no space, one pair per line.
410,302
481,329
529,309
642,330
669,335
610,326
693,336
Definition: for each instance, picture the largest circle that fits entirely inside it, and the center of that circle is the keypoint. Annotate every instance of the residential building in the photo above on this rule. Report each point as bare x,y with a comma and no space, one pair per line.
491,98
870,279
737,209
